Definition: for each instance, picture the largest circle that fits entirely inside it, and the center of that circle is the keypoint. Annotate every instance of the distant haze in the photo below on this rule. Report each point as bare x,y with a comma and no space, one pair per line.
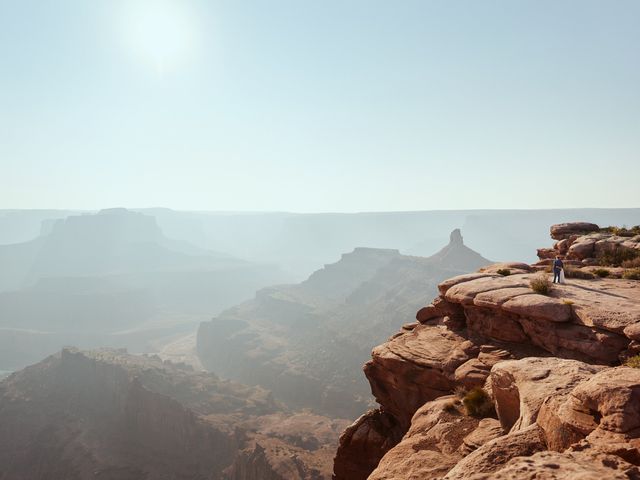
325,106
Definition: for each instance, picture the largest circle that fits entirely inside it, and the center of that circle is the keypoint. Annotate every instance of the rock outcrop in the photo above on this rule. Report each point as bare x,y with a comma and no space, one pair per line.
431,447
587,244
601,413
547,364
519,387
364,443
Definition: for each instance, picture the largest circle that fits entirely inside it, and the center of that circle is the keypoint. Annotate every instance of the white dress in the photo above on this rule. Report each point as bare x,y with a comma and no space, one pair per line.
562,275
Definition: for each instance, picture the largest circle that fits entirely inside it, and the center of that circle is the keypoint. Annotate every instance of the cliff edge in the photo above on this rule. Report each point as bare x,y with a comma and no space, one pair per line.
505,376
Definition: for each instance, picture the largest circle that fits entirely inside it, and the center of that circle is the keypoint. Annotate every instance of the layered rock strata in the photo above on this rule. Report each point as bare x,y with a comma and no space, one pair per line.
549,364
306,342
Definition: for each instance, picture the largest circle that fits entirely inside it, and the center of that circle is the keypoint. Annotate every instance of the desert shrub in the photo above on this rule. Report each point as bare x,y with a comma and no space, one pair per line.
622,231
541,284
633,274
567,302
572,272
617,257
460,391
633,263
452,407
505,272
478,403
602,272
633,362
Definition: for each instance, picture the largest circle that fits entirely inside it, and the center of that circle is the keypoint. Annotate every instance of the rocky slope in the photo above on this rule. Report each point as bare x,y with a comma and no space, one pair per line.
494,380
110,415
306,342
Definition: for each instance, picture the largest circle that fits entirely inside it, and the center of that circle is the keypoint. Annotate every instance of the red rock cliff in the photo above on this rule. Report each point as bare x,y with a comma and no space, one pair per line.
548,364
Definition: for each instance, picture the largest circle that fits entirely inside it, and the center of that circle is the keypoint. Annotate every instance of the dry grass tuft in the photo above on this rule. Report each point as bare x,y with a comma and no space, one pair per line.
477,403
541,284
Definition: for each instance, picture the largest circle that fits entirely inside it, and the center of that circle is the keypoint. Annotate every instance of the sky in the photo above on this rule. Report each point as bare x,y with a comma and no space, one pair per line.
317,106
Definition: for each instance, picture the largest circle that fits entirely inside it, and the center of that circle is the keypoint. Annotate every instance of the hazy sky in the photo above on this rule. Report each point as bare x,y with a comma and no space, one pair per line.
319,105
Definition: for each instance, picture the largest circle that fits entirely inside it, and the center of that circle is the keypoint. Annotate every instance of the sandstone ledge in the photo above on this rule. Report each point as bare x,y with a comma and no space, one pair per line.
549,363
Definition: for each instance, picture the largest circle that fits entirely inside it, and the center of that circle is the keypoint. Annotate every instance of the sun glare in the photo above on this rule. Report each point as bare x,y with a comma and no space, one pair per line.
160,32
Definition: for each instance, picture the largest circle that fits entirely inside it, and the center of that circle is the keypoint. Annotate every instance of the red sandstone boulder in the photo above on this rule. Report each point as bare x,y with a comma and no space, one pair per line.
447,284
520,387
582,249
438,309
496,453
561,231
416,367
432,445
604,410
546,253
363,444
488,429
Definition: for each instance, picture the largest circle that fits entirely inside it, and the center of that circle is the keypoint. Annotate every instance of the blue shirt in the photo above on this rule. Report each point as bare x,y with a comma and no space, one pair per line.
557,264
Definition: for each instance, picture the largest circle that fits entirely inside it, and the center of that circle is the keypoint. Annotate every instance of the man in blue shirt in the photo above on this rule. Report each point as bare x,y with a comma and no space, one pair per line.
557,268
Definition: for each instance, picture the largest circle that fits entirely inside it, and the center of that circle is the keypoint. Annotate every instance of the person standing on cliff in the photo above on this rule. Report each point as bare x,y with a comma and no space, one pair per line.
557,269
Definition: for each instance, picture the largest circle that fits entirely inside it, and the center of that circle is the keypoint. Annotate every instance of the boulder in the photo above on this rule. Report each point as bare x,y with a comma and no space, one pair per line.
496,453
561,231
562,246
488,429
633,331
604,410
447,284
581,249
519,387
546,253
416,367
491,354
432,445
439,308
363,444
472,373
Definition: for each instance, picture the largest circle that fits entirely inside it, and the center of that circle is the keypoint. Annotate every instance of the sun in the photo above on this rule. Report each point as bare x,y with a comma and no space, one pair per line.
160,32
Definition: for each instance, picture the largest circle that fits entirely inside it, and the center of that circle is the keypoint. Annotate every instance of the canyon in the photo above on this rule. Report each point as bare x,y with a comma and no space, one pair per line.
494,379
112,278
306,342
